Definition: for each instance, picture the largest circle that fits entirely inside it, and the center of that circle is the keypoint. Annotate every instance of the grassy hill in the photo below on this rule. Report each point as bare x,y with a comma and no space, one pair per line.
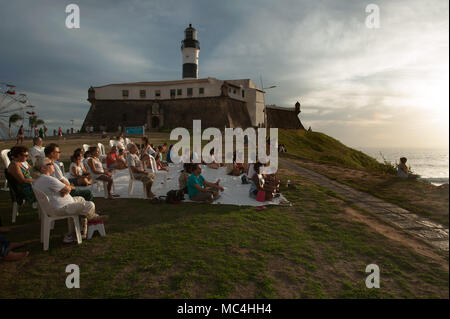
322,148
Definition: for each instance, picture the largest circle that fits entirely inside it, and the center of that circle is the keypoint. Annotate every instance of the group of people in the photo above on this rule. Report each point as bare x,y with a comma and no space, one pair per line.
67,198
38,132
46,176
194,184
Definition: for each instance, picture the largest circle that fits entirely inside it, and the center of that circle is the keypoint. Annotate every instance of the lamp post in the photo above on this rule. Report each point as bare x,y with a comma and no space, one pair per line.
265,114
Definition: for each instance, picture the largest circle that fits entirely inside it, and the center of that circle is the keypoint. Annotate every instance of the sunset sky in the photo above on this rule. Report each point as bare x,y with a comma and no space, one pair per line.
385,87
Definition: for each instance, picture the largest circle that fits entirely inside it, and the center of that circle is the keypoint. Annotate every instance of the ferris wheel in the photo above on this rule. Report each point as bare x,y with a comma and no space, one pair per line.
13,106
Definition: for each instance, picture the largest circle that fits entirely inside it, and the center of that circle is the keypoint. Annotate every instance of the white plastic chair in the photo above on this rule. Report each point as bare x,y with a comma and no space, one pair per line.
112,143
92,228
48,218
127,141
85,147
157,172
102,150
6,162
131,184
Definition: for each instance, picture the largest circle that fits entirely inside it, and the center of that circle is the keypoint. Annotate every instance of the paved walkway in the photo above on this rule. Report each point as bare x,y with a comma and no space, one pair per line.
431,232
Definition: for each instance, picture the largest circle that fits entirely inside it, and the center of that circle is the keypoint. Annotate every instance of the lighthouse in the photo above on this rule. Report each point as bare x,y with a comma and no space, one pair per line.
190,47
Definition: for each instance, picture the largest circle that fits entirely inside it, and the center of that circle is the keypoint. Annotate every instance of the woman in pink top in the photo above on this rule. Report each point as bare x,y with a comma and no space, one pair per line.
113,161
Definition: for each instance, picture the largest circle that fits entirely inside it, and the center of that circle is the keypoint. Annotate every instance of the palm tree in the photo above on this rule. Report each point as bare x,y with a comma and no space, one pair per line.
13,119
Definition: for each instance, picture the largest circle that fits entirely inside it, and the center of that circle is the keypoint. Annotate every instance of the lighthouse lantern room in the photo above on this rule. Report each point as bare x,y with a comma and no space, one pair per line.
190,48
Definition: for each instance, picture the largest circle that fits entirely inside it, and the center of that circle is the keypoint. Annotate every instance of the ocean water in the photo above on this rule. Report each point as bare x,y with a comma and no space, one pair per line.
431,164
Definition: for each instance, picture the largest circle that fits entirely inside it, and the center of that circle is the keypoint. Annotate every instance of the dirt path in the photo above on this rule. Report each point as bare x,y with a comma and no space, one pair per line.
398,236
427,231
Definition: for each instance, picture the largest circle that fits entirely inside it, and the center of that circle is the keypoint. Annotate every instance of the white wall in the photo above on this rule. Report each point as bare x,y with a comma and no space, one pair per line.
212,88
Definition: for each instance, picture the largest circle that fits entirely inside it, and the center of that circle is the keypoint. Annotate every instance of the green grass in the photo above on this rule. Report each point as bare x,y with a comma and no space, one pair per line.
360,171
309,250
319,147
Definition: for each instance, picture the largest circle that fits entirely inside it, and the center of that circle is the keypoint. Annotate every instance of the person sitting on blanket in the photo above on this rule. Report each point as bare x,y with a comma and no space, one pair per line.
60,199
196,186
97,171
235,168
113,161
138,170
78,174
52,152
213,163
262,182
184,175
270,179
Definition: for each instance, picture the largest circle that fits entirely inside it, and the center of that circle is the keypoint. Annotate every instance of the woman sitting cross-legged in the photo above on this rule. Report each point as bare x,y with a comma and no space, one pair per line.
113,161
137,169
20,171
97,171
212,160
78,174
261,182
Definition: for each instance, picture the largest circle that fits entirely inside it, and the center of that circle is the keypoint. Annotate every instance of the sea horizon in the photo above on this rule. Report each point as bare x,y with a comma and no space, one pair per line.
432,163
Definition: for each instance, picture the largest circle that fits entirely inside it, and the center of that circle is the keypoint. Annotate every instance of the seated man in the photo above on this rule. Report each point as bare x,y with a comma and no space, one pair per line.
61,201
37,151
52,152
196,186
137,169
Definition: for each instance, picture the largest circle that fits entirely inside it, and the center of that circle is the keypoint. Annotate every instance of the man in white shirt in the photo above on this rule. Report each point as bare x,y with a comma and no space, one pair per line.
59,196
52,152
37,151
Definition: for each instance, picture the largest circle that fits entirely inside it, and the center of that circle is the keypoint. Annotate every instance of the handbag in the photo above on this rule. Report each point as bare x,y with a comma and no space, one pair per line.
261,196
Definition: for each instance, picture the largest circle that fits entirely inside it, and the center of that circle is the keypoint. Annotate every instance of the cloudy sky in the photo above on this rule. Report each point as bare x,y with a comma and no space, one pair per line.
385,87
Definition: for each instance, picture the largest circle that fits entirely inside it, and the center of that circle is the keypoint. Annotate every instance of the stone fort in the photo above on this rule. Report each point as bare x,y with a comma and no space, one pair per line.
170,104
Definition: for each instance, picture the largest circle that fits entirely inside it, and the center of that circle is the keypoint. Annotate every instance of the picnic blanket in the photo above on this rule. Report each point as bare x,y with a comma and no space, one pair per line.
235,193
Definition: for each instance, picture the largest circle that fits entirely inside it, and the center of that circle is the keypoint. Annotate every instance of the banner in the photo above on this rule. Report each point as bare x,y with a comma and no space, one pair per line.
134,130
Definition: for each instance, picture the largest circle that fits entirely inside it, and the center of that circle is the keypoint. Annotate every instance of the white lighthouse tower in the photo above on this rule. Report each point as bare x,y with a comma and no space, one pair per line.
190,47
